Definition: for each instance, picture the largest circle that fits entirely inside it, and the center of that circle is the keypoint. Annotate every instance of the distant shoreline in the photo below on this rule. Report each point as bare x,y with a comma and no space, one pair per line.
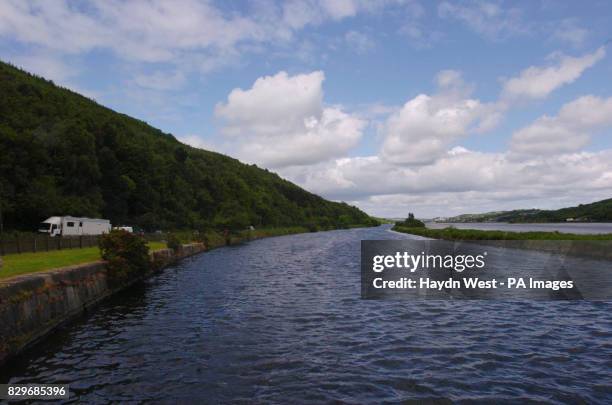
452,233
592,246
518,222
583,228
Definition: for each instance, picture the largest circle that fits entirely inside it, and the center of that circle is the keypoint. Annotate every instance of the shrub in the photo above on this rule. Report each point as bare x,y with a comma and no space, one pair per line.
312,227
173,242
202,235
127,254
202,238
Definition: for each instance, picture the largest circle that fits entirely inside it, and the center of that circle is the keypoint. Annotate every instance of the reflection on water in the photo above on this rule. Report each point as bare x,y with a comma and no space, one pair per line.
280,320
566,227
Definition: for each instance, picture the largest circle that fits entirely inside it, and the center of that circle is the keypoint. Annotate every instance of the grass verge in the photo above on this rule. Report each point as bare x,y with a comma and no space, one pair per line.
24,263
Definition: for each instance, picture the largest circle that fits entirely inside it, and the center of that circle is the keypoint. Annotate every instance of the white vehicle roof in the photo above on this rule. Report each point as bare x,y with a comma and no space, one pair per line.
52,220
76,219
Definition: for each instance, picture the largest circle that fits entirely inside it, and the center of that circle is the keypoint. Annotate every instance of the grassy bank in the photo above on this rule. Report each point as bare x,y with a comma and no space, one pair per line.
475,234
589,246
17,264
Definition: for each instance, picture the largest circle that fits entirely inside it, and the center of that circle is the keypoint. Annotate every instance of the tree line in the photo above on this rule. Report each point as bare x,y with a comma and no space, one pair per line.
64,154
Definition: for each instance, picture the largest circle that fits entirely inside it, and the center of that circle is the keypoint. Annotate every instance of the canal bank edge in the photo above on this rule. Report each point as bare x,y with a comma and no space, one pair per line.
600,249
33,305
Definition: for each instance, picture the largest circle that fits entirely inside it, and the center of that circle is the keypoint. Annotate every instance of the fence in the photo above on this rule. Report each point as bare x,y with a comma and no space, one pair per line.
44,243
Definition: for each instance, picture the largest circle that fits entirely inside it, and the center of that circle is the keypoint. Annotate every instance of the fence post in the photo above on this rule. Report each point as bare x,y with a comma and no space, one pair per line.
59,242
1,247
18,244
47,242
34,244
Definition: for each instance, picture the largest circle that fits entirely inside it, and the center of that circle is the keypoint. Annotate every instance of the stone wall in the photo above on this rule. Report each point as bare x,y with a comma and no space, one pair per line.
33,305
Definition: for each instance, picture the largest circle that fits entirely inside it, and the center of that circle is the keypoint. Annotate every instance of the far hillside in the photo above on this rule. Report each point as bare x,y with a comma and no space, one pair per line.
64,154
600,211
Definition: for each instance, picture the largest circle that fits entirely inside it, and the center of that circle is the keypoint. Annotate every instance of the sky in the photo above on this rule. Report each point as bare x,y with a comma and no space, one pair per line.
437,108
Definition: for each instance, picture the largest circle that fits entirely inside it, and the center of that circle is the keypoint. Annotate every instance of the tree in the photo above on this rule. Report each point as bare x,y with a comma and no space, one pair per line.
411,222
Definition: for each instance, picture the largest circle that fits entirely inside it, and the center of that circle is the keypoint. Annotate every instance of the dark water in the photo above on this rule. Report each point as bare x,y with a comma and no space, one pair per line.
565,227
279,320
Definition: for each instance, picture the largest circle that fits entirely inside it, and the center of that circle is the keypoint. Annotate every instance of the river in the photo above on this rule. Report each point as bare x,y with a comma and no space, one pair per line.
279,320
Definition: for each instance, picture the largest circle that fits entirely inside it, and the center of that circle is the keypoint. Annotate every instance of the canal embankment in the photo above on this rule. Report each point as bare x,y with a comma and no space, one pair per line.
33,305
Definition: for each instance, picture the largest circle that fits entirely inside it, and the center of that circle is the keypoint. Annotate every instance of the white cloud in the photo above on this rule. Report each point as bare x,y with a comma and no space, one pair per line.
570,32
282,121
63,72
275,104
547,135
538,82
418,169
197,142
298,14
490,19
375,112
449,79
426,126
47,65
160,80
188,35
54,25
415,28
461,181
569,131
457,170
360,42
338,9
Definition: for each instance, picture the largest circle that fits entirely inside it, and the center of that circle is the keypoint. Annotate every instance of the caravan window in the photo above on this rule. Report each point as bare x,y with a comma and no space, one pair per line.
81,224
69,224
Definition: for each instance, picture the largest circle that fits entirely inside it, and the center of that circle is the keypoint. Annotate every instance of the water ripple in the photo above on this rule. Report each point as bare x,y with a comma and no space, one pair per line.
280,320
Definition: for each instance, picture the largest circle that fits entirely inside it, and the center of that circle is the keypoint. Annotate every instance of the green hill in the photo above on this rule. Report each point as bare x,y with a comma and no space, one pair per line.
600,211
494,216
64,154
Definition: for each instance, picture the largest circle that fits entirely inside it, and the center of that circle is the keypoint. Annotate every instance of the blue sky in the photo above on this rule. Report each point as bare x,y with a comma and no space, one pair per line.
434,107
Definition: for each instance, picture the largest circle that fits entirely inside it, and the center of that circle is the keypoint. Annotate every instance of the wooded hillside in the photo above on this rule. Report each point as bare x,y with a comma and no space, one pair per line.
64,154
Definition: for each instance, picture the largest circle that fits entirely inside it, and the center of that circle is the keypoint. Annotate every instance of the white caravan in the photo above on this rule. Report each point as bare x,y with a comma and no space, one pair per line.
74,226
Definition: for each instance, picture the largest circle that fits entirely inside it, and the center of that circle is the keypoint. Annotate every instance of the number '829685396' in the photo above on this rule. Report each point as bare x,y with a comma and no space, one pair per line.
19,391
